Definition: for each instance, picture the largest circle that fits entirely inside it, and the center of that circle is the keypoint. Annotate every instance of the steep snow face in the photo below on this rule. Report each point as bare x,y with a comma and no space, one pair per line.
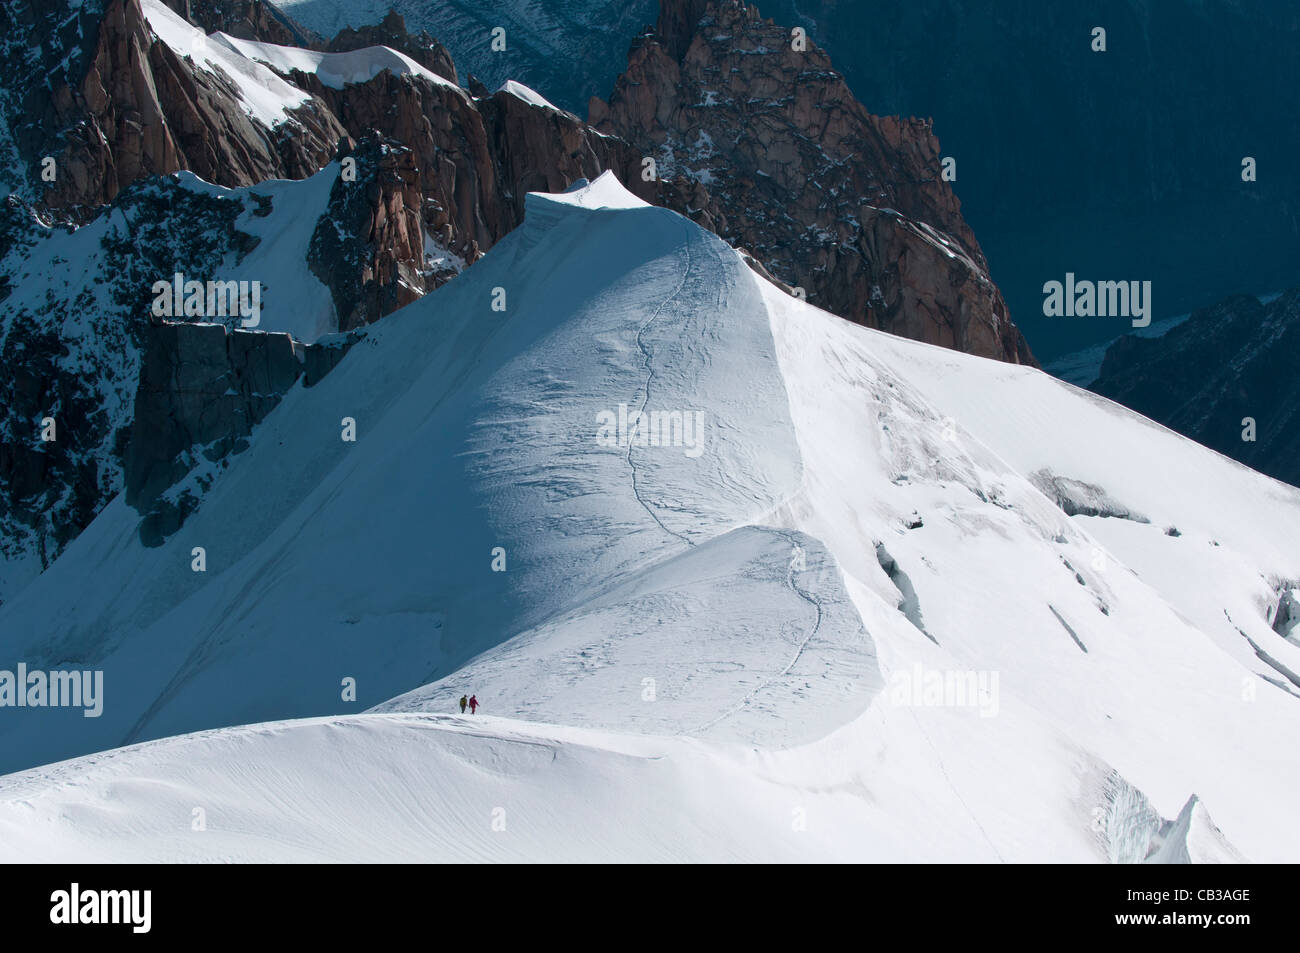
1214,539
264,95
280,216
834,572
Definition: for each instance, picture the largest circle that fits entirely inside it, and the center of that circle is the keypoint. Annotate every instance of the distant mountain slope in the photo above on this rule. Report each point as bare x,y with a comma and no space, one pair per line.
1119,164
773,152
1207,378
1118,680
568,49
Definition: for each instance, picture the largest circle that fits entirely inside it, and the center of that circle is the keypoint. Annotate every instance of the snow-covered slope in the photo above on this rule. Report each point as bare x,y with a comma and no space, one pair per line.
833,615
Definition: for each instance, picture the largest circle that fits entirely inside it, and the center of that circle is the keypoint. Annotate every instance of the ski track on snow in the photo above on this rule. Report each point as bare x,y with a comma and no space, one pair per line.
768,682
648,363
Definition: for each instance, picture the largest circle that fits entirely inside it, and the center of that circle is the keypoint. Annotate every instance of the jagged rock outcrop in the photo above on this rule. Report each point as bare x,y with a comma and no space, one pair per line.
368,248
203,388
805,180
141,109
538,149
1204,377
766,145
477,157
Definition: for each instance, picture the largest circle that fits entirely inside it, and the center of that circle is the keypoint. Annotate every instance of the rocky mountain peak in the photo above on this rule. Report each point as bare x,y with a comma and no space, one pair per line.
767,145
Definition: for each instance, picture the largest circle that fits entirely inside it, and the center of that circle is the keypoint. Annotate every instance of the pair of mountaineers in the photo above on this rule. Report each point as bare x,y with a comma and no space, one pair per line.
472,701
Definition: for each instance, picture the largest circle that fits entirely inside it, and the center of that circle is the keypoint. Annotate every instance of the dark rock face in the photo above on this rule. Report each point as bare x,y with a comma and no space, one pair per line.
368,246
201,385
70,349
1235,360
203,388
766,145
45,45
547,150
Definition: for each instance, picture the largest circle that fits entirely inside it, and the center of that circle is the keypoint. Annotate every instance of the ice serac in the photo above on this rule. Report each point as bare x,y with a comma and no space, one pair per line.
768,146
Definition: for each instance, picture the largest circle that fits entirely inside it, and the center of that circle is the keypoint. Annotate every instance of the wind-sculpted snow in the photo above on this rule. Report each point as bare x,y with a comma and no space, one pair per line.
825,611
995,564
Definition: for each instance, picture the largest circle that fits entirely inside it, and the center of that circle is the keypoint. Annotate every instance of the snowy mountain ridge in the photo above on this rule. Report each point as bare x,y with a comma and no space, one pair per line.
865,534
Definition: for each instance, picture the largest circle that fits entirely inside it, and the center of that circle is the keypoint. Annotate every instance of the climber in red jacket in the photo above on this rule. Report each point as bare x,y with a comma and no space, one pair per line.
473,703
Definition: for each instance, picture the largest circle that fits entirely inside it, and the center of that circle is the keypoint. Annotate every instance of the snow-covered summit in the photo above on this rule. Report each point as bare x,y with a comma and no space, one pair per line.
528,95
605,192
